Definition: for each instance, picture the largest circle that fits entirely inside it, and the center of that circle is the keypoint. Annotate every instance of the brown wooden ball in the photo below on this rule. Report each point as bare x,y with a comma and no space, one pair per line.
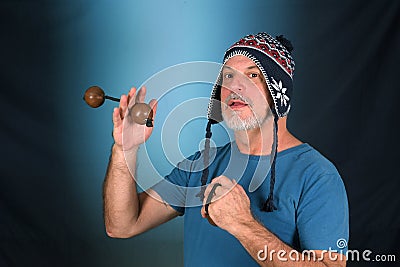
94,96
142,114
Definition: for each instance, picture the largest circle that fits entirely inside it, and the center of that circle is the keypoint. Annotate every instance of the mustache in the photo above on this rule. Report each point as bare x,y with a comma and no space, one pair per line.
234,96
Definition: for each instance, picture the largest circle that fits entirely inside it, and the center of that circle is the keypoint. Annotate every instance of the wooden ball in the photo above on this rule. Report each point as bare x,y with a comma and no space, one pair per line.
94,96
142,114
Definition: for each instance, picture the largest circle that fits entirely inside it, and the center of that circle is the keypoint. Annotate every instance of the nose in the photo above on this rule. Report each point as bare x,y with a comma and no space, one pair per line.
237,84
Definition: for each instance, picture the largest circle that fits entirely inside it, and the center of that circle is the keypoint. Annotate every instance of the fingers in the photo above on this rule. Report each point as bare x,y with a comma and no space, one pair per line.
131,97
212,192
127,102
134,96
211,195
117,117
203,212
217,191
153,104
241,189
141,95
123,105
226,185
225,181
206,193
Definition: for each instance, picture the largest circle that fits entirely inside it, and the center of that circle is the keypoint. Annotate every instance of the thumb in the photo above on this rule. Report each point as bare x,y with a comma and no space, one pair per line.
153,104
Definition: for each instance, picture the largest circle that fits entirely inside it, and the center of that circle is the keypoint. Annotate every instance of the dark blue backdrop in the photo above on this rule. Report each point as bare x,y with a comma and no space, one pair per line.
55,148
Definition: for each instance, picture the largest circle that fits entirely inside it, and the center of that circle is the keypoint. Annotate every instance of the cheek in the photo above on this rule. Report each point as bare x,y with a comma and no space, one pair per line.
264,94
224,93
258,95
262,101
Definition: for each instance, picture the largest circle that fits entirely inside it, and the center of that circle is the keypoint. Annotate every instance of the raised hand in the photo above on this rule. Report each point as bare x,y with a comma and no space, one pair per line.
128,134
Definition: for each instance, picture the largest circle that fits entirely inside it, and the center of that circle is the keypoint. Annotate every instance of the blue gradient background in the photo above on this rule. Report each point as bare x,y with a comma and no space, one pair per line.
119,44
55,148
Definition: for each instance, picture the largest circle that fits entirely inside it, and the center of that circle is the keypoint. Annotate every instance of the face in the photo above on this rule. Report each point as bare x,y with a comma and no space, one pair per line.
244,96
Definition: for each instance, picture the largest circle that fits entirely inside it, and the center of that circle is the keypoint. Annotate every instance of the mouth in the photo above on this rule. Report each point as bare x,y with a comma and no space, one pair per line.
236,104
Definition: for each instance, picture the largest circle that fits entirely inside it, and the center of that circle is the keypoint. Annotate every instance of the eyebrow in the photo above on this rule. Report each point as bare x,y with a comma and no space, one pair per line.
248,68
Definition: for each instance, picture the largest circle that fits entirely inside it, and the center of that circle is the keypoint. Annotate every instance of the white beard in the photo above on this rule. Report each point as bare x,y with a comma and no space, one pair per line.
236,123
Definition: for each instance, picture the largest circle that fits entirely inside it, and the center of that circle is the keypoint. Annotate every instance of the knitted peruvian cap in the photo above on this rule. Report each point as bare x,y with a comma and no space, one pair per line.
272,56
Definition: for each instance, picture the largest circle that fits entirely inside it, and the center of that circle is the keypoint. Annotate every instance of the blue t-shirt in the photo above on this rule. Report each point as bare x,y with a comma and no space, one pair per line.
311,201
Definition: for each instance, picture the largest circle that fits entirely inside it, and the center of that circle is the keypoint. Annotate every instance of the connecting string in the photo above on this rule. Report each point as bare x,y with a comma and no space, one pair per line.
206,159
269,203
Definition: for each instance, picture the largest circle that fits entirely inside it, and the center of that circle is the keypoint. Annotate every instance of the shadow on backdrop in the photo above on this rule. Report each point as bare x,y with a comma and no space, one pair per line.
56,148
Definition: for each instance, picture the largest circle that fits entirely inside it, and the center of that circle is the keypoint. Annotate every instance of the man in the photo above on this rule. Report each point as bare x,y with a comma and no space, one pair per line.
262,218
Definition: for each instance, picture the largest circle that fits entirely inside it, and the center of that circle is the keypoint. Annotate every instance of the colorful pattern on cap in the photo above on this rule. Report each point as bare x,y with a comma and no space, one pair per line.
269,46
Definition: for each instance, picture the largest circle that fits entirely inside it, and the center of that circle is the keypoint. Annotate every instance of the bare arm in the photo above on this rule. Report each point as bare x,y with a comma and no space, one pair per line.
127,213
231,212
269,250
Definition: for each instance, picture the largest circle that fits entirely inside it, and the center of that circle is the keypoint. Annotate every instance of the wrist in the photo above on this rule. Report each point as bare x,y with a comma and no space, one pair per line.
119,148
244,227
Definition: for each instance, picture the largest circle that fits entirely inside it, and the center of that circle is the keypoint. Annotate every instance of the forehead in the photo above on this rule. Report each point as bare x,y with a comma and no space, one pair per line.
240,62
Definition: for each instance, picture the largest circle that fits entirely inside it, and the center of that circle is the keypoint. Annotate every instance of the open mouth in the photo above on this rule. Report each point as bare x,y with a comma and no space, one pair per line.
236,104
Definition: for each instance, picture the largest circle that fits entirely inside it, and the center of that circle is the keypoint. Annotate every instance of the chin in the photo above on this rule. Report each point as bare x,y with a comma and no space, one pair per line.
237,123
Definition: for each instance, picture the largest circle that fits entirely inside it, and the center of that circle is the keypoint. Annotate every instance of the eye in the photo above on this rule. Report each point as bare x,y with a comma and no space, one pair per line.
254,75
228,75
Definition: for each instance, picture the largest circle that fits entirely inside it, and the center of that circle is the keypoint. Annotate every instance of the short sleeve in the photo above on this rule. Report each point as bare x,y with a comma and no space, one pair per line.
173,188
322,215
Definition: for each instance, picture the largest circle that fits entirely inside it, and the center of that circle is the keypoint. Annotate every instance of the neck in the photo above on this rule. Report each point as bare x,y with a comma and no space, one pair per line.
258,141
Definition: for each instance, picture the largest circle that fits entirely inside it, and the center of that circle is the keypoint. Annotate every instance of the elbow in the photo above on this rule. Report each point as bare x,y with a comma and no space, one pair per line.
114,232
115,235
